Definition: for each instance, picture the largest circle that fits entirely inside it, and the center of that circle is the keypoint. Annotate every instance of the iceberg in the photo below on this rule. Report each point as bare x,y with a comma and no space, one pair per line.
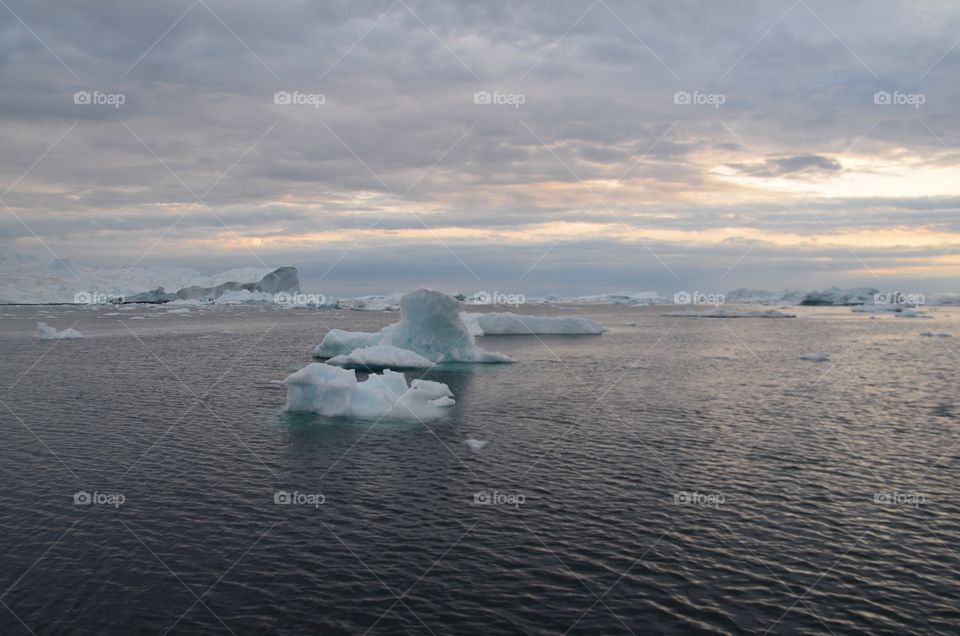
510,324
381,357
283,279
430,325
334,392
49,333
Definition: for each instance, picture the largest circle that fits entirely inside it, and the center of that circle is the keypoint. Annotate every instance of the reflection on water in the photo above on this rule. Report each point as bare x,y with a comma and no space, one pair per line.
694,474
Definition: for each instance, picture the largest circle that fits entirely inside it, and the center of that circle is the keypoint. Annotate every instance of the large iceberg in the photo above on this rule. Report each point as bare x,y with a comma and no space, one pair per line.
430,325
510,324
335,392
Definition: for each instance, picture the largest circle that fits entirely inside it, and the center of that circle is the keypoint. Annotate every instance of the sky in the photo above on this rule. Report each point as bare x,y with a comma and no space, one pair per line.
534,147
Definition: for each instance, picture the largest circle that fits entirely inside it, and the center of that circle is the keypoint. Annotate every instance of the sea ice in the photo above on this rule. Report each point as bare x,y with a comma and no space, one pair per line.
49,333
510,324
335,392
381,357
729,313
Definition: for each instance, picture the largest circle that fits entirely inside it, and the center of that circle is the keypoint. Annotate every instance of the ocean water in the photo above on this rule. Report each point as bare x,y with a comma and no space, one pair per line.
670,476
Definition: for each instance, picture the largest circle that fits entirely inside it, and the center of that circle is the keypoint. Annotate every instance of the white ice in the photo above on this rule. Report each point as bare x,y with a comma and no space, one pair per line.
510,324
378,357
335,392
729,313
49,333
475,445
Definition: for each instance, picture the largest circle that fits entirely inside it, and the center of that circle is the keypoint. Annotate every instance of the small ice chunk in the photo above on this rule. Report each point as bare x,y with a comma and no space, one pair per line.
932,334
49,333
816,357
476,444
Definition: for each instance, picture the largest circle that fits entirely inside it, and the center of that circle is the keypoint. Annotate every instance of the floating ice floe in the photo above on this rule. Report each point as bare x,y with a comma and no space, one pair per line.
729,313
335,392
476,445
510,324
378,357
49,333
430,325
932,334
912,313
816,357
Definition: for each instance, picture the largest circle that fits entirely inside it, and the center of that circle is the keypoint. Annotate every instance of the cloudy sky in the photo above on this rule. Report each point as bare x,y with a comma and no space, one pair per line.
554,146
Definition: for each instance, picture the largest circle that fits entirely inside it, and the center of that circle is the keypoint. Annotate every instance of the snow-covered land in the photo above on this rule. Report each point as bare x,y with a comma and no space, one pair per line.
49,333
25,278
430,325
379,357
335,392
510,324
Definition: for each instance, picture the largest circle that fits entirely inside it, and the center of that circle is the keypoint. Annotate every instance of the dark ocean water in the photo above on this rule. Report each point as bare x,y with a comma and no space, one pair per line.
670,476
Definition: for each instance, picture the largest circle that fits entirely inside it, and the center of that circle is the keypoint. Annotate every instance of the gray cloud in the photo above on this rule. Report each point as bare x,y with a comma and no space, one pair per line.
399,105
